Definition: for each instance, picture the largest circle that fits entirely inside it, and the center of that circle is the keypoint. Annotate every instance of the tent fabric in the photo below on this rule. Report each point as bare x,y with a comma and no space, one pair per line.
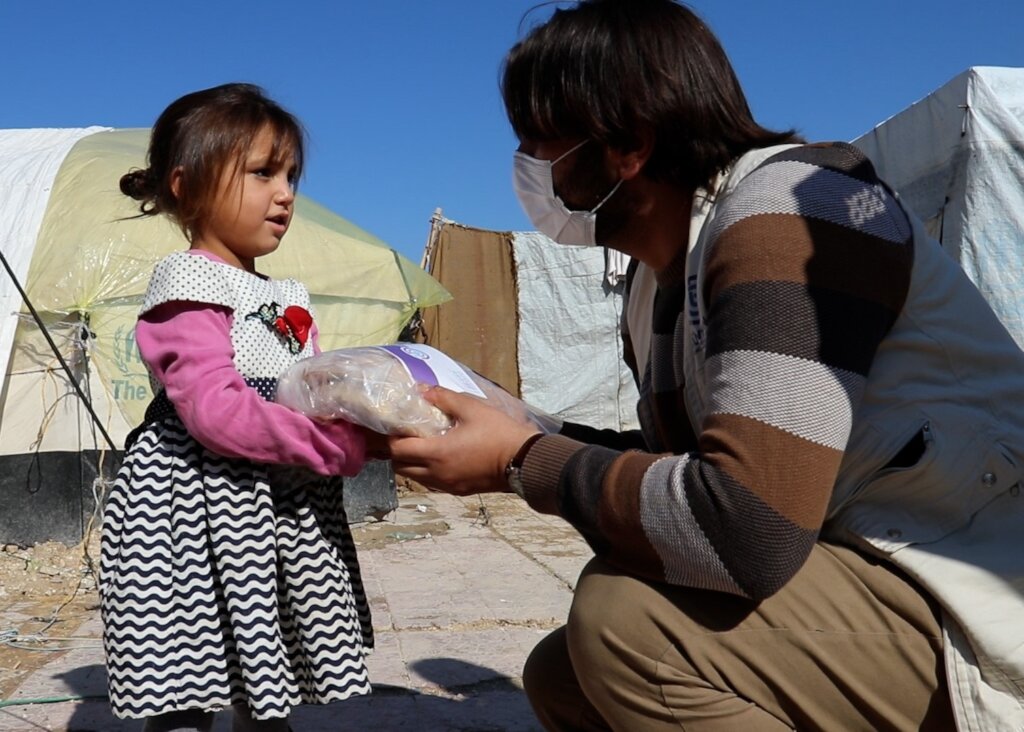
536,317
616,265
956,158
478,326
29,161
570,350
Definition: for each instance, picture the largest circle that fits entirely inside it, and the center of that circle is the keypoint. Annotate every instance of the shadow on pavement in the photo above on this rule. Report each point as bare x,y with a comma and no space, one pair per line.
468,698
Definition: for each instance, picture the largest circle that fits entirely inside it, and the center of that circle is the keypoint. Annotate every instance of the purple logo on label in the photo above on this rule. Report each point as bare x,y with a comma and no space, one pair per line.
413,360
414,353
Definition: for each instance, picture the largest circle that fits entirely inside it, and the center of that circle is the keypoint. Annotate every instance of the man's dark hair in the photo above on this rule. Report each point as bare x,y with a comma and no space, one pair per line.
605,69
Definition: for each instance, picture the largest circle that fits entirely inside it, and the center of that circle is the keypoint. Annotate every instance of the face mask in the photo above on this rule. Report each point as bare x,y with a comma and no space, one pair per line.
535,190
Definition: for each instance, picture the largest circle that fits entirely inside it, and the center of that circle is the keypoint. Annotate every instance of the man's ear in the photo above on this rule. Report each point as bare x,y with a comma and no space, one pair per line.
630,162
176,182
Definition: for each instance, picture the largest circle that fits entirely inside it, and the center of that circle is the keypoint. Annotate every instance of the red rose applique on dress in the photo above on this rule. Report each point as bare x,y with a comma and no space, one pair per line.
293,323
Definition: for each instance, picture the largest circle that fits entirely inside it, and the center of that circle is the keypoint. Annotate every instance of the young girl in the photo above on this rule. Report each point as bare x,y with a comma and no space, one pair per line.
228,575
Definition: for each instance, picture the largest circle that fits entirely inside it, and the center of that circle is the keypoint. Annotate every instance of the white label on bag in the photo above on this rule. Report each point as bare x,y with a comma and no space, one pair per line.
429,366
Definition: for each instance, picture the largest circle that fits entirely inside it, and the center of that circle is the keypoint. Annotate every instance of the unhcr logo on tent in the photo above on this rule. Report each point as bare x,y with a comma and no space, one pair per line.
133,384
126,353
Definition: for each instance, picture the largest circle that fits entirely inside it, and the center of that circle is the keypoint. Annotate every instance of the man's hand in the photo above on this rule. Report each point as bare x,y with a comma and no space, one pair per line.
469,458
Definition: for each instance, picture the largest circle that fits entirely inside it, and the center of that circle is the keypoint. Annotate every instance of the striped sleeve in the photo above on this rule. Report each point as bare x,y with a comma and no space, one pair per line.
806,269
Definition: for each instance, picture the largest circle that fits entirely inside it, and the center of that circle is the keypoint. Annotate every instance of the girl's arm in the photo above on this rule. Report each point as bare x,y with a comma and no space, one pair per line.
188,347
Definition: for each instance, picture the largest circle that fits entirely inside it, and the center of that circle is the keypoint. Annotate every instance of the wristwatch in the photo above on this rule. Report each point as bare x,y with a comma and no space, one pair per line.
514,469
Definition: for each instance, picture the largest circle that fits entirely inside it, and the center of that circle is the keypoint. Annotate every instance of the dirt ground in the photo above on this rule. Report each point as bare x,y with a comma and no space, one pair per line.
49,590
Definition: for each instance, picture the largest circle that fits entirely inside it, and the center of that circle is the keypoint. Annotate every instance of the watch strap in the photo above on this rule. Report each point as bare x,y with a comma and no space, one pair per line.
515,465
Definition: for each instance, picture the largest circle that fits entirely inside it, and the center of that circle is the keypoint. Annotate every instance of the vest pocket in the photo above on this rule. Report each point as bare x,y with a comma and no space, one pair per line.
911,447
929,487
913,451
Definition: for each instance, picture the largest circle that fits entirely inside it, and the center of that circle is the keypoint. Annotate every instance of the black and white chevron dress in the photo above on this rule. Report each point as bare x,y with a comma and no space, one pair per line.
223,580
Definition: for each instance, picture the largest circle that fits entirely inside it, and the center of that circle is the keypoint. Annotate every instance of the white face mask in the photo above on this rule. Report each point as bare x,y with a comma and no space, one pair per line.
535,190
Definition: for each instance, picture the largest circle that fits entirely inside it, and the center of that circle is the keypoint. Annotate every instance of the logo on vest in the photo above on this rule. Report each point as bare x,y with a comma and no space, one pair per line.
697,334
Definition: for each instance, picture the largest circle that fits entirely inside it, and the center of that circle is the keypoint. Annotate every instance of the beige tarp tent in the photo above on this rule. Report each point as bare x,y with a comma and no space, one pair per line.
71,239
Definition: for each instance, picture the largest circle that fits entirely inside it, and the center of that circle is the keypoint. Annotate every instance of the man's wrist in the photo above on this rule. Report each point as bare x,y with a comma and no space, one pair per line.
514,468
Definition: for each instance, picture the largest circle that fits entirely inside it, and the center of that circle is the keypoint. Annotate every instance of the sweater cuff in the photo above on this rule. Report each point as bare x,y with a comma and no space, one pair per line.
542,469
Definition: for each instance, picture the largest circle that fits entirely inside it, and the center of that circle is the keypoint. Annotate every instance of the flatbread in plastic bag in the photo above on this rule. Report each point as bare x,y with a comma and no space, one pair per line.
377,387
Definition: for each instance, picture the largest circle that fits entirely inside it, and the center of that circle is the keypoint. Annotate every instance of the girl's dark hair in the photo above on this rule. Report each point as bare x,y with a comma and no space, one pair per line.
201,134
605,69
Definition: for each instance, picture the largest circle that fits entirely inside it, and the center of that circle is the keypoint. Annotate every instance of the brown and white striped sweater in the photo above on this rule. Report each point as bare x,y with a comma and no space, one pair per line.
806,267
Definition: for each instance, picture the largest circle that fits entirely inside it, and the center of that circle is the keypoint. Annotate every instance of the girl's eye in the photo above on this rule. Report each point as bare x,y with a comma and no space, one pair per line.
263,172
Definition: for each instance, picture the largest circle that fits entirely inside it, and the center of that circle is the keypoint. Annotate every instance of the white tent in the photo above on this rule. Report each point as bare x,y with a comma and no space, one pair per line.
570,347
956,158
73,243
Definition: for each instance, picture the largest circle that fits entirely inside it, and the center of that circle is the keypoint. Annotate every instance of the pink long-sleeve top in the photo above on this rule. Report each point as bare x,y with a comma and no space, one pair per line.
188,348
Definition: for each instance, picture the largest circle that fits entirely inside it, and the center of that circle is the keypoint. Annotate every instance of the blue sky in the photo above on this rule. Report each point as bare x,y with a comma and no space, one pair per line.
400,98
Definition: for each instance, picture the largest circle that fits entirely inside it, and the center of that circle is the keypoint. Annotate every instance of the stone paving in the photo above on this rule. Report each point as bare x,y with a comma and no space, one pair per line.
461,590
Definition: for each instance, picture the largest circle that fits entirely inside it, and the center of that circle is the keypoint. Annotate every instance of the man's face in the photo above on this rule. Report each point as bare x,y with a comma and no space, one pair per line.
581,178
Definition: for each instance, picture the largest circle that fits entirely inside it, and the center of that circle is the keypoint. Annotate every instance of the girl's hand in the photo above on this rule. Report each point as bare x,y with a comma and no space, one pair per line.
469,458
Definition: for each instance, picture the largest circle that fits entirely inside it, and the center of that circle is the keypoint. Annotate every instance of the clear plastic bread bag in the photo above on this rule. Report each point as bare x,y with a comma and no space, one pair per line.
378,387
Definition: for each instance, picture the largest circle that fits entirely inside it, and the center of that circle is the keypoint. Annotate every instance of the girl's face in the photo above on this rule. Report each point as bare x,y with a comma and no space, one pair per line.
253,206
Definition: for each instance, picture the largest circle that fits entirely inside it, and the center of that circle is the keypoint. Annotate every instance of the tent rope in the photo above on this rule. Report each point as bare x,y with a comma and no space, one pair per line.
53,346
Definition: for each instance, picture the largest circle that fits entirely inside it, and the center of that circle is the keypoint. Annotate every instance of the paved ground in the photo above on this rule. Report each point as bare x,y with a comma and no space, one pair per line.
461,590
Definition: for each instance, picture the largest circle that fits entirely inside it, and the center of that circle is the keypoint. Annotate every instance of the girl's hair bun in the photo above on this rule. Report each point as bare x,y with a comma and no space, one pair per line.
139,184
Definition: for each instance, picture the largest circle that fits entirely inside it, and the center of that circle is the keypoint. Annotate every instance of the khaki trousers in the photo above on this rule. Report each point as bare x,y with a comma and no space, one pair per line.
848,644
